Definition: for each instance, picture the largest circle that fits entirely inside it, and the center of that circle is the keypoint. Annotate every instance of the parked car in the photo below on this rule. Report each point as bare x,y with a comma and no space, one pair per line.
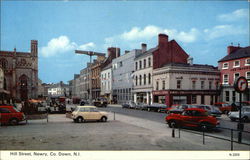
141,106
157,107
179,108
212,110
245,114
192,117
100,102
10,115
225,108
129,104
88,113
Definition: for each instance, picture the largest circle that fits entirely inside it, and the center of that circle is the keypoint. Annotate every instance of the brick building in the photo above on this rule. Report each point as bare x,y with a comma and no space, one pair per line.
21,72
235,64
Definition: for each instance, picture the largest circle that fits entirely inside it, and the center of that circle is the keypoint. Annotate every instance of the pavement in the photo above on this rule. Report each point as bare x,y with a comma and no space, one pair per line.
119,133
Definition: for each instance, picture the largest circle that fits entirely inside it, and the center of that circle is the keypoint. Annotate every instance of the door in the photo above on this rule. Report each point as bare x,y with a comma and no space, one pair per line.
94,114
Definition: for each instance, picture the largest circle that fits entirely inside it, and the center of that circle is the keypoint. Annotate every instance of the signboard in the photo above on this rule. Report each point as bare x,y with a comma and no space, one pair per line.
241,84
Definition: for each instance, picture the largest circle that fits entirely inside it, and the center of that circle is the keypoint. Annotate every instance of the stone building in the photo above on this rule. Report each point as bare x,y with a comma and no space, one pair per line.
235,64
21,72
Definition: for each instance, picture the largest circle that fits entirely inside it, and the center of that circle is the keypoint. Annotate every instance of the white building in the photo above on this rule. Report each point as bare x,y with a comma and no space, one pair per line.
106,82
142,76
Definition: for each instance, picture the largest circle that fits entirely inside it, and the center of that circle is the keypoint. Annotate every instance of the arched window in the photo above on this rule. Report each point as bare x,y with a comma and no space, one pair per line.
149,78
140,80
136,80
3,63
145,79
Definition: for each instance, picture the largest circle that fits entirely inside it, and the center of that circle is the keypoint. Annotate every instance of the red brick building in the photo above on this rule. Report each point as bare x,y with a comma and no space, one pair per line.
235,64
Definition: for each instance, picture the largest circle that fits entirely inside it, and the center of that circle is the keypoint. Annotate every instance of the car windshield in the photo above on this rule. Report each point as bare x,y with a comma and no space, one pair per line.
225,105
16,109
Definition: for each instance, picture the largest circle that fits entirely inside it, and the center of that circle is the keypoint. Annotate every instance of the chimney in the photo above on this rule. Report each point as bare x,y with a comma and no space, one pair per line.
231,49
162,38
143,47
190,60
117,52
113,52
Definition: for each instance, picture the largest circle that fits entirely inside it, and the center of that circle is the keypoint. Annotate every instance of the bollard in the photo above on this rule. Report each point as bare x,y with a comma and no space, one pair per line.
173,132
114,115
47,118
203,134
232,139
179,132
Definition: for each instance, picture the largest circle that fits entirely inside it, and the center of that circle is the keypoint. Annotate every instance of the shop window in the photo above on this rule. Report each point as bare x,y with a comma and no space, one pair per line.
194,99
178,84
225,79
227,95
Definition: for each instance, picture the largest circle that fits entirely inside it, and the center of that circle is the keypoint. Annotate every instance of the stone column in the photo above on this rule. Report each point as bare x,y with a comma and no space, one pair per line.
135,97
148,97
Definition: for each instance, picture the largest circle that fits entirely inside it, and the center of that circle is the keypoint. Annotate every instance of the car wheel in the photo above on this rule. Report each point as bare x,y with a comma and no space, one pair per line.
80,119
226,112
245,119
13,121
149,109
75,120
172,124
104,119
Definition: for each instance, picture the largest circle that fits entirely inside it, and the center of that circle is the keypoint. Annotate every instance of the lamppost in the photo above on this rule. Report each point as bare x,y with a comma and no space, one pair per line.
90,54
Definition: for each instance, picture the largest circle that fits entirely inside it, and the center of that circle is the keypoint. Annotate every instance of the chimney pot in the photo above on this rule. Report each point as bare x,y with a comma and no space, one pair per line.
231,49
143,47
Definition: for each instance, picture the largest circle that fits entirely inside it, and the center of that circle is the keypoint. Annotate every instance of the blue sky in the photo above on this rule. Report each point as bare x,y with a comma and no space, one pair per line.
203,29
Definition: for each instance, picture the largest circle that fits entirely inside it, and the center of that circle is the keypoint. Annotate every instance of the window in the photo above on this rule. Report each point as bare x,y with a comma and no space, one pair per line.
210,85
4,110
145,79
247,63
225,66
234,98
227,95
140,80
140,64
194,99
225,79
236,63
217,85
149,78
236,75
144,64
202,84
157,85
136,80
149,62
178,84
248,78
120,64
193,84
163,85
136,65
108,75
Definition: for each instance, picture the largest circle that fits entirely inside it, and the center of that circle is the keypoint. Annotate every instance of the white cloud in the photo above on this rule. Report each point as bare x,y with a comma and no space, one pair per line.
137,35
223,30
234,16
61,45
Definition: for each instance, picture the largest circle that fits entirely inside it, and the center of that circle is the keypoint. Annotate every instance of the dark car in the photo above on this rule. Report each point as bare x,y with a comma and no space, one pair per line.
192,117
100,102
10,115
129,104
141,106
157,107
212,110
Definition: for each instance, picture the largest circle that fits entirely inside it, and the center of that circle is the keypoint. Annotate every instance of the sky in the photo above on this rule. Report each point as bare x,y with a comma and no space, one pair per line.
203,29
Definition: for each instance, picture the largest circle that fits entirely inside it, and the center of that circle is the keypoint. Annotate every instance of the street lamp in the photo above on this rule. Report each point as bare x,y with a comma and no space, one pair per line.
90,54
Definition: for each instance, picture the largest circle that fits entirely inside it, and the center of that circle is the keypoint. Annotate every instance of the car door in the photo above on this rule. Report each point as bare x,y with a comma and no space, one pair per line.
5,115
186,119
85,112
94,114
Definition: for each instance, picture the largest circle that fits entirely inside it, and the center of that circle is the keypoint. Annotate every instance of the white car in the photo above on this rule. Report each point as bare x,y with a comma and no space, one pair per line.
88,113
245,114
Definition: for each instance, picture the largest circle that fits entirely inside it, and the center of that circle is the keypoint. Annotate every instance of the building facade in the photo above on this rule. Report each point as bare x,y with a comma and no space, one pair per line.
21,72
235,64
84,82
58,90
123,67
180,83
142,76
106,82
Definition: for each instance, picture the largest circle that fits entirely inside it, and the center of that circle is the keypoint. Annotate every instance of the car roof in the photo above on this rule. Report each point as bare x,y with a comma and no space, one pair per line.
86,106
195,109
6,106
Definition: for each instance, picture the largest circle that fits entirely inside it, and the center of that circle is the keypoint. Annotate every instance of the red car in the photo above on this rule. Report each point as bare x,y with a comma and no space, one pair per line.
10,115
224,107
192,117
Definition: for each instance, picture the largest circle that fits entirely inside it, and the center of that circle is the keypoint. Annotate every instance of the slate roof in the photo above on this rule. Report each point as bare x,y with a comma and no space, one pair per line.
147,52
240,53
